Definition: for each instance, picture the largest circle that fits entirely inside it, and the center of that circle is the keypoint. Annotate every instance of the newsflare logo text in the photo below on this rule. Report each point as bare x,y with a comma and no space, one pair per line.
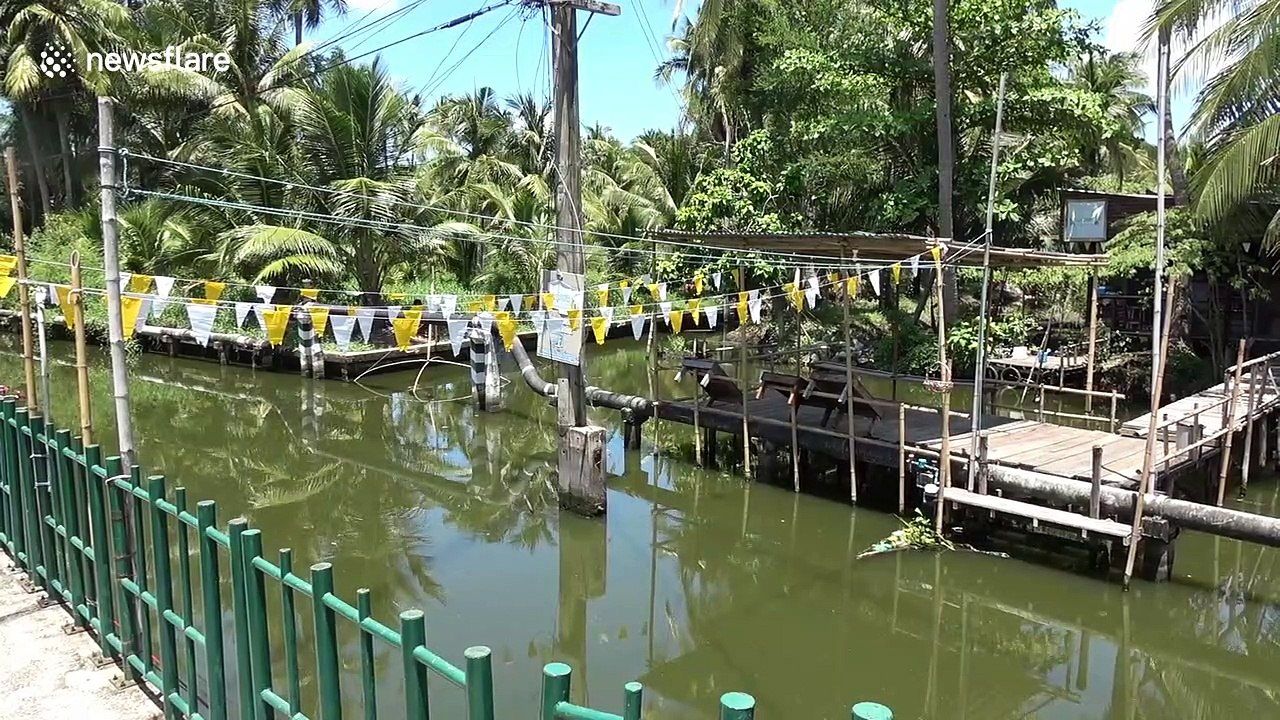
57,61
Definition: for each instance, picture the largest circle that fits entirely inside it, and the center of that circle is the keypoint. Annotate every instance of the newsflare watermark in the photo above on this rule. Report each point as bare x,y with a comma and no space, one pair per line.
57,61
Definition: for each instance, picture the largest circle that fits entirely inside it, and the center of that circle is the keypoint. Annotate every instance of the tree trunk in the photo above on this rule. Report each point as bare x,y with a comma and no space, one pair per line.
1177,173
297,28
946,144
70,194
37,161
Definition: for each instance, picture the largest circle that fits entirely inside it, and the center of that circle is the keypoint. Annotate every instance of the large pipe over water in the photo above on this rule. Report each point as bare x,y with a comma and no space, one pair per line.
596,396
1211,519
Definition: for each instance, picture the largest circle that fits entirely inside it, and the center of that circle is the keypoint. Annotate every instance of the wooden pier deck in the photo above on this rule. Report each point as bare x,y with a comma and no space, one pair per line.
1207,408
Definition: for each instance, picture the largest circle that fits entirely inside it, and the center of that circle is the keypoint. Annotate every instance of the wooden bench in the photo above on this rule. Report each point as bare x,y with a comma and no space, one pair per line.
715,382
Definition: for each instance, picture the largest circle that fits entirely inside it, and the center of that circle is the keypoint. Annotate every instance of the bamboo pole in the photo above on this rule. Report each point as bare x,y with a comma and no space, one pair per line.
24,293
1093,340
111,265
1144,483
82,351
944,465
848,392
742,378
902,460
1248,432
697,423
1228,424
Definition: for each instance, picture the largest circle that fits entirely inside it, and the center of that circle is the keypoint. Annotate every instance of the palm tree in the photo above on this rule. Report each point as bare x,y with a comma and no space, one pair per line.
1116,78
41,27
711,50
1236,109
309,14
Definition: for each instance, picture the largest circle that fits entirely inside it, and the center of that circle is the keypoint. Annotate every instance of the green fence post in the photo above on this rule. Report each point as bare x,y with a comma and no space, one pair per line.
80,490
413,634
139,524
632,701
479,683
163,594
8,464
188,603
17,485
737,706
259,640
289,612
71,525
368,684
555,688
55,514
244,682
211,593
871,711
30,505
101,550
326,635
121,565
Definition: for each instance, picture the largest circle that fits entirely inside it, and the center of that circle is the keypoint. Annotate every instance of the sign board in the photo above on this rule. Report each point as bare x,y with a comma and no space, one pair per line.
555,340
1086,221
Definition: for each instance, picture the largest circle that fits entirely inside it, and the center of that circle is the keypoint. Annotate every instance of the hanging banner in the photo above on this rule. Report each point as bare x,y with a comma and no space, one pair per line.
139,283
6,285
319,320
675,319
516,302
599,329
626,293
164,288
201,317
637,321
715,279
63,294
558,342
694,307
213,290
507,329
342,325
130,308
713,314
754,303
874,277
457,334
666,312
276,320
697,284
364,318
406,327
266,292
242,313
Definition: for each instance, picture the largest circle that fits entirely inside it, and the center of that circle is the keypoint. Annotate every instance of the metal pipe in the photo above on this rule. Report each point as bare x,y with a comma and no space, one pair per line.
595,395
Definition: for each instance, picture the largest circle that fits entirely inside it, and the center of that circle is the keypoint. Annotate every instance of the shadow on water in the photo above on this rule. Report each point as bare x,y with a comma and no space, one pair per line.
696,584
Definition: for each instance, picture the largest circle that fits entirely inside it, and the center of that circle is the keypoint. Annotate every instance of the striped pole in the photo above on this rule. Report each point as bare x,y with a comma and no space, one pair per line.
306,338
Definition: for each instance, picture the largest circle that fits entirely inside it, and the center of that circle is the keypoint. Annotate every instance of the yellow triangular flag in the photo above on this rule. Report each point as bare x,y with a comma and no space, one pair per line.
130,306
697,285
474,306
624,283
276,320
653,290
677,319
139,283
63,292
397,296
213,290
636,310
8,263
695,306
896,271
575,319
6,285
599,328
490,302
795,294
319,319
548,301
742,308
602,296
506,328
406,327
936,251
833,278
309,293
851,285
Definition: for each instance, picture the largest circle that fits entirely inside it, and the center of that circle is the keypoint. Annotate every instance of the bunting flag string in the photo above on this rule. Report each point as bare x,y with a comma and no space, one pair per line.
63,294
713,314
666,312
675,319
139,284
896,271
754,303
874,278
213,290
457,334
201,317
811,292
742,308
310,293
242,313
130,307
575,319
266,293
342,326
599,328
276,320
506,329
715,279
516,303
164,288
6,285
364,318
406,327
637,321
319,319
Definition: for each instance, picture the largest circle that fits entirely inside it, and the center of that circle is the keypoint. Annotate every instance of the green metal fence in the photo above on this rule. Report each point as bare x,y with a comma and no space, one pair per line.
103,542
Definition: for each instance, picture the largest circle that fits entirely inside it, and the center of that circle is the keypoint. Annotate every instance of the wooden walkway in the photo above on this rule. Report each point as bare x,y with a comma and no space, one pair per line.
1208,408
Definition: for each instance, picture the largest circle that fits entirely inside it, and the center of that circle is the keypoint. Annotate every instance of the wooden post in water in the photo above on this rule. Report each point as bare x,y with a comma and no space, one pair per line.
1095,490
1093,340
902,459
1144,481
1247,460
742,378
82,351
1228,423
848,395
984,444
944,460
697,401
24,293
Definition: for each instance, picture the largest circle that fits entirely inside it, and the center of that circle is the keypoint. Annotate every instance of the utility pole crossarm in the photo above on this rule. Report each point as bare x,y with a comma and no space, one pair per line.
591,6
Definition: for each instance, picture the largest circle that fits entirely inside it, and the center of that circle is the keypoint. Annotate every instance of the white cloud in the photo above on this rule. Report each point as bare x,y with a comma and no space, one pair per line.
368,5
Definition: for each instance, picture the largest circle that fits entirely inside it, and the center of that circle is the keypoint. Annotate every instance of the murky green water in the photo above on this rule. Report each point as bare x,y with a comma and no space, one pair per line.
696,583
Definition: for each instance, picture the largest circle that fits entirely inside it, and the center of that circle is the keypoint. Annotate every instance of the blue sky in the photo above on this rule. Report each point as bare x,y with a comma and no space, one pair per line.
509,52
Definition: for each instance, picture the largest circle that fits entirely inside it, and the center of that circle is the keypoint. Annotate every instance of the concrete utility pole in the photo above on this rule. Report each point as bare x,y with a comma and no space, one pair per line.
581,466
111,263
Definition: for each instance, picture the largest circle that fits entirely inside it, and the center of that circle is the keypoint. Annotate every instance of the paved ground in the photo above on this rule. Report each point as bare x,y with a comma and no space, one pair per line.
45,673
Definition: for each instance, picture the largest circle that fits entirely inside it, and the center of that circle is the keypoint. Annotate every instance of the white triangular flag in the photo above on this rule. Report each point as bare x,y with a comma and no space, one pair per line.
201,317
242,313
539,317
266,293
457,334
666,312
644,279
811,292
164,287
516,302
626,294
715,279
607,314
448,304
662,291
637,325
874,276
364,318
342,326
486,323
125,279
393,312
713,314
915,264
259,310
753,305
143,313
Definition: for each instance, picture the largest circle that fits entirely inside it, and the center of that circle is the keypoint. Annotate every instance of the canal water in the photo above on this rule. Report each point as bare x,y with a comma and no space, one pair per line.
697,582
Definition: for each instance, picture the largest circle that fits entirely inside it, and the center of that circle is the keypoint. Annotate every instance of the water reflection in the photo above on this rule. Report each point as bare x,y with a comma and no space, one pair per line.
697,583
